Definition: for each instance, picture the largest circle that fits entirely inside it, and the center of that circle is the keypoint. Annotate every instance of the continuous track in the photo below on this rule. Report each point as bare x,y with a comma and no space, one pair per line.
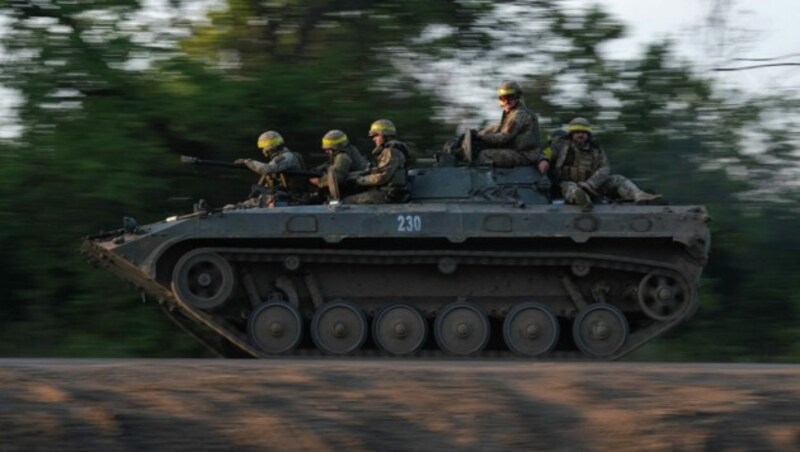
227,339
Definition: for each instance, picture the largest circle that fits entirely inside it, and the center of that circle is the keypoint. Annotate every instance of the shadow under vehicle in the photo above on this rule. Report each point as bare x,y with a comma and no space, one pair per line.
479,263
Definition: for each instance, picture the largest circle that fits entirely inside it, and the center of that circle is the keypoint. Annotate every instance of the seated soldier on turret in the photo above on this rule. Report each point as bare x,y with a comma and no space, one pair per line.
580,167
276,183
386,181
514,141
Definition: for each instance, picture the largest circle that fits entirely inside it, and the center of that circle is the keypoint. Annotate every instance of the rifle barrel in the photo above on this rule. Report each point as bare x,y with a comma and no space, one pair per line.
189,160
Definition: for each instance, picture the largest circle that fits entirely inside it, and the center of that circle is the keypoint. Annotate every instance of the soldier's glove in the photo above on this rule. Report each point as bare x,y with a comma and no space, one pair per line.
240,162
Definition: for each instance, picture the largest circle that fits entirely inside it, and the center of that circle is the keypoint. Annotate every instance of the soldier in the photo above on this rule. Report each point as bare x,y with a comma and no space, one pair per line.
581,167
280,160
343,157
515,140
387,180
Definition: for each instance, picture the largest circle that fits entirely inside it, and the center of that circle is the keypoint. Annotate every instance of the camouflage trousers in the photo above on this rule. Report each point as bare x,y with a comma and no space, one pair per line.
385,195
504,158
373,196
615,187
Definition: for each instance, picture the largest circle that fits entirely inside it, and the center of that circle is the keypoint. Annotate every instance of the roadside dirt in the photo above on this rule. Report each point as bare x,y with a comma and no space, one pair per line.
388,405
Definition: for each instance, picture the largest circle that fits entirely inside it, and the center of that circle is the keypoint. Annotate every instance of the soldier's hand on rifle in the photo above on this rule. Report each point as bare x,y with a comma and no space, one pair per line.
240,162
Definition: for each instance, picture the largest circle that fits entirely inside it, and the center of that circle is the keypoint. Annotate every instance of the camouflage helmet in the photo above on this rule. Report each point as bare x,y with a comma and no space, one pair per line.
269,141
382,127
335,139
508,88
579,125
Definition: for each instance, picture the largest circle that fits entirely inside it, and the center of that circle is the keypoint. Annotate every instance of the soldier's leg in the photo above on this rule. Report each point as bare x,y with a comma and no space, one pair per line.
502,158
622,188
367,197
573,194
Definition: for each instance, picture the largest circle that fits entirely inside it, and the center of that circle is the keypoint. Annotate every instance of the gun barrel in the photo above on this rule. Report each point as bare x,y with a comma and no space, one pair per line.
190,160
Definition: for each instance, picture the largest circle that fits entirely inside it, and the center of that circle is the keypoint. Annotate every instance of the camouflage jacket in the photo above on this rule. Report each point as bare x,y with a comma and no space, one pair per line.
518,129
271,172
342,165
390,166
587,163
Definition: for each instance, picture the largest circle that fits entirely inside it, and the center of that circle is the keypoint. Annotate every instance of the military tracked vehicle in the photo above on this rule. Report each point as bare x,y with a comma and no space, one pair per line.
479,263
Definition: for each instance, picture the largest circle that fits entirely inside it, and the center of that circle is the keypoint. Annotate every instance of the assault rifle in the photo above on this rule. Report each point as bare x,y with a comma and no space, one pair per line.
189,160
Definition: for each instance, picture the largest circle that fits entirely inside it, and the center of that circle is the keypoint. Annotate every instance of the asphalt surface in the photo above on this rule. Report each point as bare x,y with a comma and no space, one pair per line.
387,405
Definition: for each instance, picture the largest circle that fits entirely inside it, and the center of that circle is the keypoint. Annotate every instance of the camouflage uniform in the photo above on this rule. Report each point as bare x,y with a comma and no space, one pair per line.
573,163
275,180
387,180
512,142
343,163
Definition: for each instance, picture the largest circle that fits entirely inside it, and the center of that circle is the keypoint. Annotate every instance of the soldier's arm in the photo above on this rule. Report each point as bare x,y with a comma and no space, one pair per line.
388,163
601,173
489,129
257,167
509,130
281,163
341,168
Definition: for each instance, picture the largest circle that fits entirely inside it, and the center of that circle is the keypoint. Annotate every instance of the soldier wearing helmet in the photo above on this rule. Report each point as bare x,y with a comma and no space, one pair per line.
580,165
386,181
343,157
280,161
514,141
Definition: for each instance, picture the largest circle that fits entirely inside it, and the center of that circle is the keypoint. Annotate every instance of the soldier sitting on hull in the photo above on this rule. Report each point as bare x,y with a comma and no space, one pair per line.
514,141
581,168
274,185
343,158
386,181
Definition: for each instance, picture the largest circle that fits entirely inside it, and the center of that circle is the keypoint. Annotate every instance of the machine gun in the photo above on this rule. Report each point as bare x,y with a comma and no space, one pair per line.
189,160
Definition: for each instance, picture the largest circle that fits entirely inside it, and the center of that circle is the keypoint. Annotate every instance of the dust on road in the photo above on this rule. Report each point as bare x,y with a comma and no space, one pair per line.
384,404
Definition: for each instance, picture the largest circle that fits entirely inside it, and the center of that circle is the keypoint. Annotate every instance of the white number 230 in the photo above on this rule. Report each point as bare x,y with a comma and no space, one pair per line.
409,223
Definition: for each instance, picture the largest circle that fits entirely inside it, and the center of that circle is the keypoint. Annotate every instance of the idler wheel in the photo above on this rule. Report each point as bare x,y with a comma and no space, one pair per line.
203,279
600,330
661,297
531,329
275,327
400,329
339,327
462,328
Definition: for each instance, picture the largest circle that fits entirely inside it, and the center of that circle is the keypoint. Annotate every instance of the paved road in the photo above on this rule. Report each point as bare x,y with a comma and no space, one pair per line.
389,405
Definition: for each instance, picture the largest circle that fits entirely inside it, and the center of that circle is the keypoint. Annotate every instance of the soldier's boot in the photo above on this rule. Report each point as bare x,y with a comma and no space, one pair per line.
630,192
642,197
584,200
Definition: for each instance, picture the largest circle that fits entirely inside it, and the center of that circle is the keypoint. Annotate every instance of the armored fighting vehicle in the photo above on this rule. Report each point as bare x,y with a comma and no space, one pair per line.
479,263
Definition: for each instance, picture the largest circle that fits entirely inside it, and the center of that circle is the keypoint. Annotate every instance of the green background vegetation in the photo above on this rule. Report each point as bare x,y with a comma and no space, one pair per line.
110,103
